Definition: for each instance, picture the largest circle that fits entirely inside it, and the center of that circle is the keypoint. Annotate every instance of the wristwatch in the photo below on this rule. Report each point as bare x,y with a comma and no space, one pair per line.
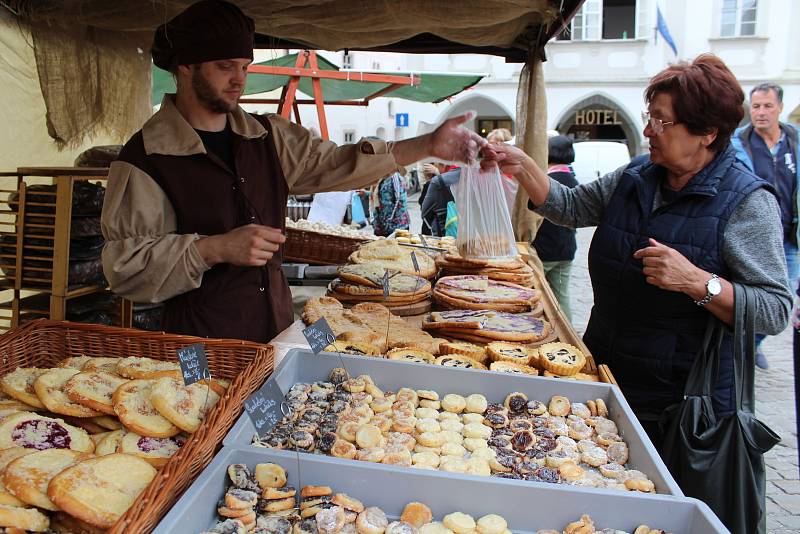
713,288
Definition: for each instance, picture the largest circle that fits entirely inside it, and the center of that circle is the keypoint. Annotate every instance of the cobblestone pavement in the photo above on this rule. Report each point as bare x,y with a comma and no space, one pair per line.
774,402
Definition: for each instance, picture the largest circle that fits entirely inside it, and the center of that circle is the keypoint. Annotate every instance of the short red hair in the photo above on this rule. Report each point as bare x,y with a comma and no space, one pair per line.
705,95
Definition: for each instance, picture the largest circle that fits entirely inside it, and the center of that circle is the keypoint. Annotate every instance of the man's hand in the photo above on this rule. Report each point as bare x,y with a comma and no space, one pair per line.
251,245
668,269
452,142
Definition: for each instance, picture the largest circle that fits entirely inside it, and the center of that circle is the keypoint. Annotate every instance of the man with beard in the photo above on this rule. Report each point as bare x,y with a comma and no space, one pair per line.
195,207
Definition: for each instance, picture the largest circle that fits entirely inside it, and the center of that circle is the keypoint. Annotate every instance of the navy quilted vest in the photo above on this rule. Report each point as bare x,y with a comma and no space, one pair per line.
649,336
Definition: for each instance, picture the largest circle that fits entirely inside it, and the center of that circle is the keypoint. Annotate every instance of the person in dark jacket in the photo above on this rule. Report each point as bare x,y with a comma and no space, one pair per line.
438,195
556,245
675,232
770,149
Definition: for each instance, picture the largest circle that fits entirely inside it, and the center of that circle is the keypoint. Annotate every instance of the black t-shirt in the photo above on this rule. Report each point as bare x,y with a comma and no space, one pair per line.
220,144
554,242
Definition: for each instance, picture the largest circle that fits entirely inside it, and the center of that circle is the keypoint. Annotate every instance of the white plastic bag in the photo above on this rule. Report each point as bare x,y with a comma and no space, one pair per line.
484,222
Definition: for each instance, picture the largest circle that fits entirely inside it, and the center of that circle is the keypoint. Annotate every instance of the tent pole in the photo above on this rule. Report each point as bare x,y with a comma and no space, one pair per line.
317,85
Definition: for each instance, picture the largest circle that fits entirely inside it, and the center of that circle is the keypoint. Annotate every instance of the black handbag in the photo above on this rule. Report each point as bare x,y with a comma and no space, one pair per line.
721,460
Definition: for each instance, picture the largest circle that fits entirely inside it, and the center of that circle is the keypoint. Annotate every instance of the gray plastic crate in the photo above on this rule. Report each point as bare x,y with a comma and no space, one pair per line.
527,509
303,366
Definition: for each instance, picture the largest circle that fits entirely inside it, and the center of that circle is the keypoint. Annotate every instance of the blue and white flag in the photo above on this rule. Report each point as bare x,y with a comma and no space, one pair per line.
661,25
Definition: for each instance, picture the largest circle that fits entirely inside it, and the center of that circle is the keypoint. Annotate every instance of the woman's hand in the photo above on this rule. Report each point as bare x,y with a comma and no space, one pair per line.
668,269
509,158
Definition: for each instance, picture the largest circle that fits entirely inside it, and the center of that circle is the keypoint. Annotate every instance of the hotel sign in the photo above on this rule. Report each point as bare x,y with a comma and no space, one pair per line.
596,117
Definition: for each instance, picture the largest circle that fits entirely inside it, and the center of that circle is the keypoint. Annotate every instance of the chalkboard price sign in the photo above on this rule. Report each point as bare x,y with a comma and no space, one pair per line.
194,364
319,335
264,407
385,284
414,261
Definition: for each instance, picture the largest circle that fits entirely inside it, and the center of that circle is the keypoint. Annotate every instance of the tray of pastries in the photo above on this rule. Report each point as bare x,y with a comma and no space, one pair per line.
518,427
263,491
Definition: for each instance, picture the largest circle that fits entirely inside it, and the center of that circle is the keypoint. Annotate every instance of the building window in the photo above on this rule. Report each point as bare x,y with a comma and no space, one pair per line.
347,60
602,19
486,125
738,18
349,136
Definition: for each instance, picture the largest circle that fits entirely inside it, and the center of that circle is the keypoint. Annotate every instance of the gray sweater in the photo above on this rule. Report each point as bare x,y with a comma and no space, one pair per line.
752,242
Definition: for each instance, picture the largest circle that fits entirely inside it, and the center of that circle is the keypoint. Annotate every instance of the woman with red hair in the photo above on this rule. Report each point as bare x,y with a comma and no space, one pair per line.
675,230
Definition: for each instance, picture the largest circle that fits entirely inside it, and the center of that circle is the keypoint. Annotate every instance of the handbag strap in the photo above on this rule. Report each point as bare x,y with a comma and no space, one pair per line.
744,347
702,375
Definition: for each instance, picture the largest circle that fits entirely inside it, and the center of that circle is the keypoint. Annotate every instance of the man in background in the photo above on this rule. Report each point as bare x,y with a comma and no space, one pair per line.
770,149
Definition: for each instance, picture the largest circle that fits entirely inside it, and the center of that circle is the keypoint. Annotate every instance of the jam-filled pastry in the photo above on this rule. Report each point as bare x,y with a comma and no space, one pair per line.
33,431
155,451
516,403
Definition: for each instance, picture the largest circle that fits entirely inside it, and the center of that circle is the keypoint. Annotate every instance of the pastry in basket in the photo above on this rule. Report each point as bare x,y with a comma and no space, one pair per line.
455,360
9,405
133,407
18,384
94,390
184,406
155,451
75,362
100,490
512,352
108,365
6,457
478,292
561,358
108,422
25,519
110,443
464,348
50,390
354,347
27,477
511,367
33,431
136,367
370,275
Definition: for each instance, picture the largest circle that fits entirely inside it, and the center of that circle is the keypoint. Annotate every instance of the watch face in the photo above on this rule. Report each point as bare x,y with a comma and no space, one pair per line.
714,287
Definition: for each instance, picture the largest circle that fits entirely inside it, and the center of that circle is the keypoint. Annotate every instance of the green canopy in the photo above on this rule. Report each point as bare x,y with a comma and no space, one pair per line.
432,88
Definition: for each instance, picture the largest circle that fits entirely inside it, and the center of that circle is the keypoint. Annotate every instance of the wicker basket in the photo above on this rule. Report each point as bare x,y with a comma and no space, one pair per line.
45,343
305,246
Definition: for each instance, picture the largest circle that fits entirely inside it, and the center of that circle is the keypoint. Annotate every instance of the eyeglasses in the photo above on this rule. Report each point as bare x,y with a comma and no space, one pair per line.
656,125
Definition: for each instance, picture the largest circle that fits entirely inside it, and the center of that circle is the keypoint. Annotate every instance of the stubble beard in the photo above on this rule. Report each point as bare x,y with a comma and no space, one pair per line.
207,97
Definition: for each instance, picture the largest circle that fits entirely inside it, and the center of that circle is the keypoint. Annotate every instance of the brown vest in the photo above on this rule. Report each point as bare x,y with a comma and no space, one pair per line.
250,303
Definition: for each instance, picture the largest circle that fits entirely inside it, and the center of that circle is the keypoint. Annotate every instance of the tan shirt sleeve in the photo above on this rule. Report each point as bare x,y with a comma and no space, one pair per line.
143,259
313,165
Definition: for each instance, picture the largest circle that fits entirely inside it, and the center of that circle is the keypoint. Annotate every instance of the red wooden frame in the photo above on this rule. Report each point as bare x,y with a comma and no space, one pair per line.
306,67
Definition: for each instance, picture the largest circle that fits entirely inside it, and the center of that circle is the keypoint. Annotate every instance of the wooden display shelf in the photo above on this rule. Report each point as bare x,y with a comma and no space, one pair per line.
22,220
